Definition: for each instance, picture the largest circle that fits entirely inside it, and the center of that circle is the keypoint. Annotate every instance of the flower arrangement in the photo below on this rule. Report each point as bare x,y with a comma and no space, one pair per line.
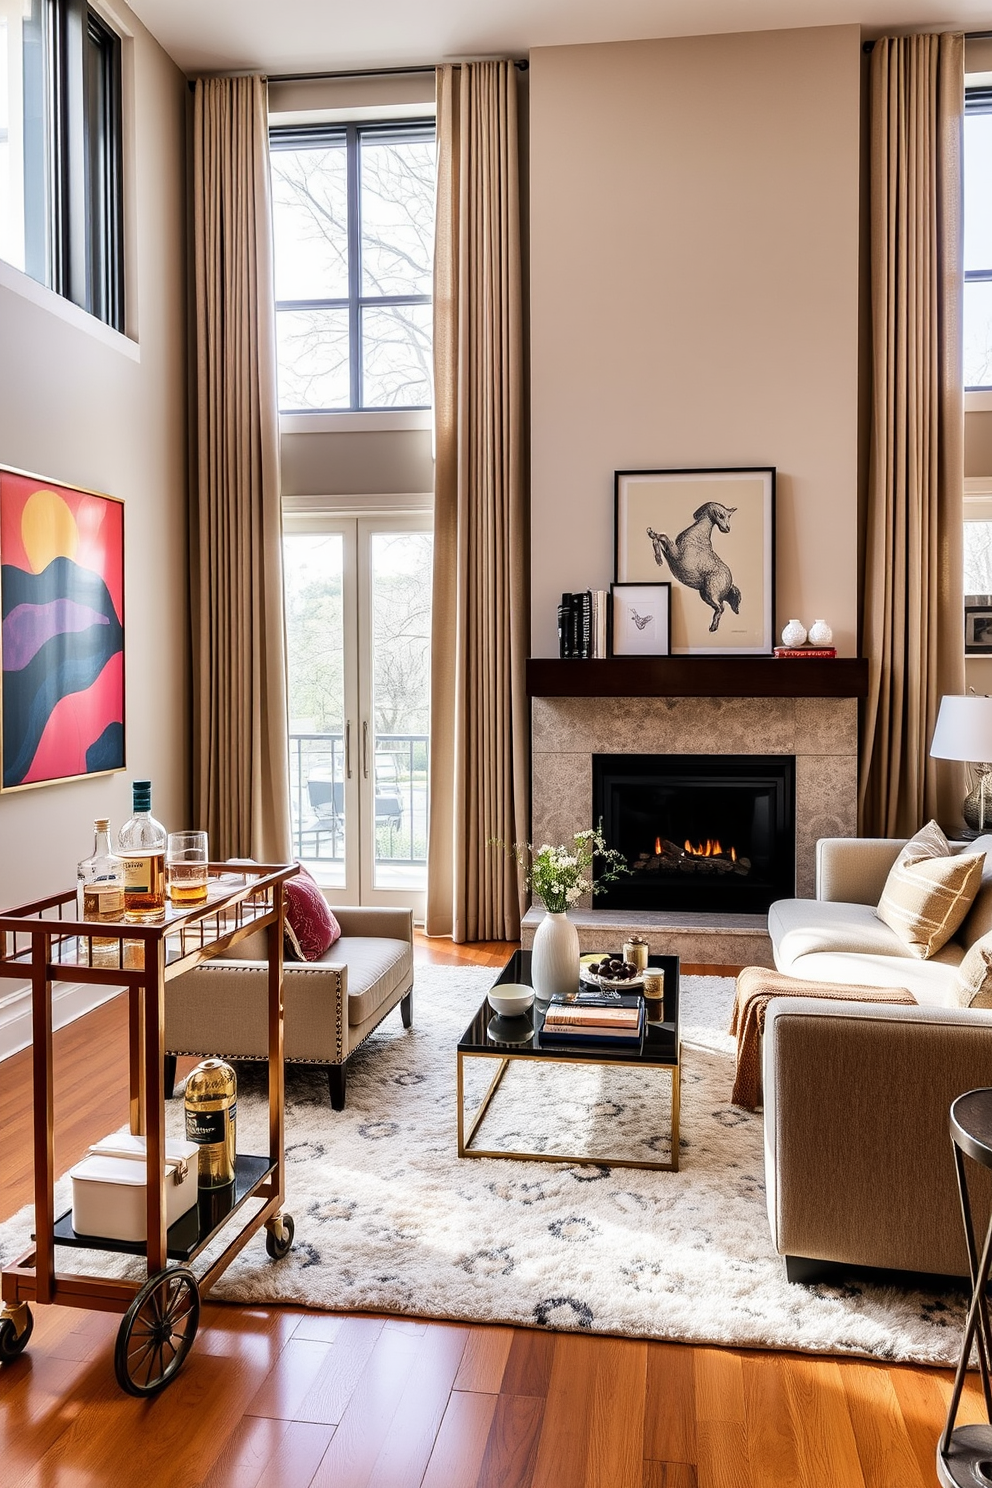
561,875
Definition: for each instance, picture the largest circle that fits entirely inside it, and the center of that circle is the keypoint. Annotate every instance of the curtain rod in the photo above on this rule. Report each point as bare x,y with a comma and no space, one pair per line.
358,72
869,46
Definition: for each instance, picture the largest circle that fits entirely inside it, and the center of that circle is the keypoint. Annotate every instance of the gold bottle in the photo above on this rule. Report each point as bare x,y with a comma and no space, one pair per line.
211,1120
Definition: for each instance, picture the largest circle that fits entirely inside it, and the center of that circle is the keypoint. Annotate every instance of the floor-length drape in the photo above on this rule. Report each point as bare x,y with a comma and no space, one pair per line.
479,730
240,774
912,613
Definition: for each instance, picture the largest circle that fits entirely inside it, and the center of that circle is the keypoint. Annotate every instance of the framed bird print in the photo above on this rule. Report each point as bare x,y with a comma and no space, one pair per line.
711,535
640,619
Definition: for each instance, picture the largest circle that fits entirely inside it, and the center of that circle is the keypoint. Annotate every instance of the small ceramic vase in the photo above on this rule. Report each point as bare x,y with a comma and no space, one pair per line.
794,633
554,963
820,633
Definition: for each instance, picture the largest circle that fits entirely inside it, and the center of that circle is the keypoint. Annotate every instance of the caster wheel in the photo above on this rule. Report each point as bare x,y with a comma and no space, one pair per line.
12,1343
157,1331
279,1240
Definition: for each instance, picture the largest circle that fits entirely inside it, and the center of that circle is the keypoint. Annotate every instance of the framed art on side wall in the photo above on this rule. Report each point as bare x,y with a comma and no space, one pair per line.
712,533
640,617
62,637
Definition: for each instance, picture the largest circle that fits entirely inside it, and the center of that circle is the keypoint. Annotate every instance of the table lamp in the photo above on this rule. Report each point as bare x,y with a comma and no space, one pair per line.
964,732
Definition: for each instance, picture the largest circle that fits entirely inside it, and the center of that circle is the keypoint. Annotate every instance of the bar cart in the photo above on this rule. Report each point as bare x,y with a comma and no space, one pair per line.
45,942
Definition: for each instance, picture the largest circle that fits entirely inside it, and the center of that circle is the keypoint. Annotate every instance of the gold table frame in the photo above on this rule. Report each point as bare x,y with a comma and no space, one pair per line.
517,969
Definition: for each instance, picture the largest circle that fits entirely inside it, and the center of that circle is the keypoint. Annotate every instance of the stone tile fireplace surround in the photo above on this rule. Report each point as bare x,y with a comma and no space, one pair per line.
820,732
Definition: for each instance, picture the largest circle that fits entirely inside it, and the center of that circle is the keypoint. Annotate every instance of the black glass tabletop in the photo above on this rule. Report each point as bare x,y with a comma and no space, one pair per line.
492,1033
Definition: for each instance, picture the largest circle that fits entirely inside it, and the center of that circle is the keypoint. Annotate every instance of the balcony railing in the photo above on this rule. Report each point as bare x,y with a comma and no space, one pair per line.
317,794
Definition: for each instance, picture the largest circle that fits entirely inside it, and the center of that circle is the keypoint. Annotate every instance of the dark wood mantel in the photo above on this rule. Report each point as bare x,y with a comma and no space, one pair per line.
699,676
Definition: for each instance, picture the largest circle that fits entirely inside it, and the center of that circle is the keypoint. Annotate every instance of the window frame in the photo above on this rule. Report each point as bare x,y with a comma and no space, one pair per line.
350,133
977,100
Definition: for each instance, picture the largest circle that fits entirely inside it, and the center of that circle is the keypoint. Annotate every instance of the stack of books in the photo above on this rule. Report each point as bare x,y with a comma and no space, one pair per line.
804,653
582,624
591,1019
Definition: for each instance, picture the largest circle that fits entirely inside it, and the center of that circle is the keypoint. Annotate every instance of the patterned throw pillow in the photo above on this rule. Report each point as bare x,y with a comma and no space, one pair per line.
311,928
974,985
929,890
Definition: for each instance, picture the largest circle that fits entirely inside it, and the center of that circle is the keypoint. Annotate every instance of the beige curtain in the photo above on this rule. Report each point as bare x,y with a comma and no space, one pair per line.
479,716
240,773
912,616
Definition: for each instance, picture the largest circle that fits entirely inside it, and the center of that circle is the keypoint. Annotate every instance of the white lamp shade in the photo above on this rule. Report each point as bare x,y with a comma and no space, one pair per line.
964,729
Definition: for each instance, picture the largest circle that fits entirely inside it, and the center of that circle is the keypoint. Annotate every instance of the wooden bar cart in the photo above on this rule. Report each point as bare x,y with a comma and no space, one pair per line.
44,942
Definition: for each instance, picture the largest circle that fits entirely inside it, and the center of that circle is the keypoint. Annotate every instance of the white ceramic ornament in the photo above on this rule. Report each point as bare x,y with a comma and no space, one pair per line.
794,633
820,633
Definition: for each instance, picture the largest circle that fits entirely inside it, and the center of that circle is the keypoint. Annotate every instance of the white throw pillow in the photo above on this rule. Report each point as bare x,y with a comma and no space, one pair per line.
929,891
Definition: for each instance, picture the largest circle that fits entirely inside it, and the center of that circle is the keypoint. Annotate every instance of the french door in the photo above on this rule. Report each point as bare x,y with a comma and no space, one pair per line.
358,596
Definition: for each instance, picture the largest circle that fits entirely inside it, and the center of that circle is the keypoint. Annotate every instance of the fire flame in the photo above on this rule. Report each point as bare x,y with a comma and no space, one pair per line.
711,848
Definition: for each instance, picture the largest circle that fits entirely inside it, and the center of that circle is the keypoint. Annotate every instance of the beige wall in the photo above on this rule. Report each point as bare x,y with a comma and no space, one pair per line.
694,231
77,407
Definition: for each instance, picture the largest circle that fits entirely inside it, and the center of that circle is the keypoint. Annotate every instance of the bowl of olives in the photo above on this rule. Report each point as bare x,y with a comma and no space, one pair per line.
614,973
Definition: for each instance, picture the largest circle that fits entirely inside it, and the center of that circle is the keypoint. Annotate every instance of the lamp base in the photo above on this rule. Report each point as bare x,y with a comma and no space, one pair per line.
977,807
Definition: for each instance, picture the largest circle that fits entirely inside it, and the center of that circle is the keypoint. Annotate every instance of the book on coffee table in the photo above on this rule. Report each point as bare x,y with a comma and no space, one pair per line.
617,1027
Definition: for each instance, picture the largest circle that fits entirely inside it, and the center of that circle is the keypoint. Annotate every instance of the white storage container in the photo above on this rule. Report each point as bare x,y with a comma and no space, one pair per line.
108,1187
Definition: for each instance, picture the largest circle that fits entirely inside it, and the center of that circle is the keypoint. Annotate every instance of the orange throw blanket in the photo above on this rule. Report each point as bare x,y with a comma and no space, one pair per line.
756,986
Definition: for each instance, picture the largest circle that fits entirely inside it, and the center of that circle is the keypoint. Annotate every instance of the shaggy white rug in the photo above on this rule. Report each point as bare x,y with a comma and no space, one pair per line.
388,1218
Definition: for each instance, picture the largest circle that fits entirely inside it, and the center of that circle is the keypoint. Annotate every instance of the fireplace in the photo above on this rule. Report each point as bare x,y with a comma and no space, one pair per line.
699,831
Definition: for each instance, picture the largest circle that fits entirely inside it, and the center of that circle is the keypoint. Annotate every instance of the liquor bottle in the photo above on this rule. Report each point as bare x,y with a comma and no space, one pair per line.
141,841
100,882
212,1120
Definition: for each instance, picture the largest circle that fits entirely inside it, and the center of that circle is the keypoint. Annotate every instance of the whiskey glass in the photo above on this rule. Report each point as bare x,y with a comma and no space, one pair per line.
186,859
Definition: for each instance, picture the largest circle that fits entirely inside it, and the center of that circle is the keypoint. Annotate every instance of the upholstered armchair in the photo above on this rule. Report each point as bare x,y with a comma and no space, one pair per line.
331,1004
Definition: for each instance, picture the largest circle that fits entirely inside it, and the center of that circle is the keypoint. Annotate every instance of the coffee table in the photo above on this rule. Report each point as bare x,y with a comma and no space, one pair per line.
503,1040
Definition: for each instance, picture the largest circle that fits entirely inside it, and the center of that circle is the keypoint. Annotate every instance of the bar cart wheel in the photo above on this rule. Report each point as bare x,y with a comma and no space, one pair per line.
157,1331
279,1232
12,1342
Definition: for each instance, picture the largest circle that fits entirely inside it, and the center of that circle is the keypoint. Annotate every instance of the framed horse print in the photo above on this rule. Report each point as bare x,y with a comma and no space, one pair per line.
711,534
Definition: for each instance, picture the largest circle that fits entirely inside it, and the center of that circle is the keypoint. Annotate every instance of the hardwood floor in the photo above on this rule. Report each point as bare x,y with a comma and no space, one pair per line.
292,1398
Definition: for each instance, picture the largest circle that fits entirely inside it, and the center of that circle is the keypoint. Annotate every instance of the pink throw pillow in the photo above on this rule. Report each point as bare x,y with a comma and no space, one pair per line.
311,928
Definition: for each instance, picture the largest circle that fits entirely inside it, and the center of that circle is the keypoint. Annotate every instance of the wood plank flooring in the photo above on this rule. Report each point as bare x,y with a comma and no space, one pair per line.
299,1399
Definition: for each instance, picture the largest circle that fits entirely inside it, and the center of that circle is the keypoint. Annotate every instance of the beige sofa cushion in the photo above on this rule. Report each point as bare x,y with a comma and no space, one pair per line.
929,891
974,979
375,969
978,920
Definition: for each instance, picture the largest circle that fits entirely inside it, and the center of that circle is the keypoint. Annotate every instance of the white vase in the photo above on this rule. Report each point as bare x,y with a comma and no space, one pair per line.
820,633
554,965
794,633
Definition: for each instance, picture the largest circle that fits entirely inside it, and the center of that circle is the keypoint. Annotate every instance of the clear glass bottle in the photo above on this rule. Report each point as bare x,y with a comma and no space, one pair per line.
100,882
141,842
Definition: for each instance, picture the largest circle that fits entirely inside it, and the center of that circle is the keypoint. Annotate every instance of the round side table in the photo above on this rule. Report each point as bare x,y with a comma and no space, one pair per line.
964,1454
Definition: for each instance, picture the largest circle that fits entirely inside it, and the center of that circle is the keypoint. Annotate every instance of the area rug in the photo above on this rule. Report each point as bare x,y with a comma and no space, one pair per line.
389,1219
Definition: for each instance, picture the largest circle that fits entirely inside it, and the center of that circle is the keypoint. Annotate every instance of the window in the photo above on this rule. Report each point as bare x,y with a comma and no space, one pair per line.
978,239
60,152
353,213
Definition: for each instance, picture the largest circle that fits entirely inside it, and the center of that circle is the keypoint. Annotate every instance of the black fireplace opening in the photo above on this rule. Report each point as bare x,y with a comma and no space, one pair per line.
698,831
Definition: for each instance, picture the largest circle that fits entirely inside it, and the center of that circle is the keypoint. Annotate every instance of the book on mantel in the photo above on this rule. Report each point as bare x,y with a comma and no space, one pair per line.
804,653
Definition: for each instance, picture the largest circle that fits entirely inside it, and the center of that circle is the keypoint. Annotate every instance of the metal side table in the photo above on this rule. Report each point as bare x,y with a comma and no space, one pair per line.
964,1454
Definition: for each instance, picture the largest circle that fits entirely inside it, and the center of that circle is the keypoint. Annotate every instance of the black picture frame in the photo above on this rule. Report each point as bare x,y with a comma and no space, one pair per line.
723,614
647,629
978,630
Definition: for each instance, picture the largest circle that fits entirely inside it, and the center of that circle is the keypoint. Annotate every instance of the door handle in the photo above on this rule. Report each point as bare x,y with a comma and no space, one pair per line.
347,749
365,748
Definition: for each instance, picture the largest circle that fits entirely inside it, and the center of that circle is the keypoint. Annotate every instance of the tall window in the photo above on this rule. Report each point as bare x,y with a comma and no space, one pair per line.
60,151
353,210
978,238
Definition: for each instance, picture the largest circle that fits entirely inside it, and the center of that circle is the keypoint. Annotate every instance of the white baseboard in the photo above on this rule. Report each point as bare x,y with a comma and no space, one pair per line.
70,1000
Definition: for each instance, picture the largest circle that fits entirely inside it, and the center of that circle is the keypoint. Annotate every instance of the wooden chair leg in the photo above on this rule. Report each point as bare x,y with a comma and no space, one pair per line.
406,1009
336,1084
169,1075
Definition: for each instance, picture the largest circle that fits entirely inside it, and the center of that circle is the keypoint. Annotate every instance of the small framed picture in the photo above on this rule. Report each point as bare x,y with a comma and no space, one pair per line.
978,630
640,618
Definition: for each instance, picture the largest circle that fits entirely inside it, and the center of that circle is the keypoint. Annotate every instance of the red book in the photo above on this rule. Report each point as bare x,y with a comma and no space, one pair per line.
804,652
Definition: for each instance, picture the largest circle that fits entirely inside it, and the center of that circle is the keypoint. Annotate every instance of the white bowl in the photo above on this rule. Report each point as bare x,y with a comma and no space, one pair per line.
510,999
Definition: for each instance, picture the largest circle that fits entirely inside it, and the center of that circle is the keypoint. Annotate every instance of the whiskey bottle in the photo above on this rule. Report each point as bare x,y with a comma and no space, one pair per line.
100,883
211,1103
141,842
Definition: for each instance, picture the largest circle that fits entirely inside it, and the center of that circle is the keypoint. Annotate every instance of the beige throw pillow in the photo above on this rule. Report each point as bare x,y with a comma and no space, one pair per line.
929,891
974,982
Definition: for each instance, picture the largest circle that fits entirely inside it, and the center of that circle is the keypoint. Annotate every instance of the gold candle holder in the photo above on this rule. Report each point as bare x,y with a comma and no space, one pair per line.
654,995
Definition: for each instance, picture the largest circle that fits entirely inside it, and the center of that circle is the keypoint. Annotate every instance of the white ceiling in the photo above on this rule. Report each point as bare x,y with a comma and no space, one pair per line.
312,35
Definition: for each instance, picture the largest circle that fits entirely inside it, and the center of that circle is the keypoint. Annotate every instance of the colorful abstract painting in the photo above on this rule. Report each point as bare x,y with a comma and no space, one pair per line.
61,631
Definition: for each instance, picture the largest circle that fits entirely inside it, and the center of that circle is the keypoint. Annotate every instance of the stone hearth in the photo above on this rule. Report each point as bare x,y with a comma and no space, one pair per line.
821,732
